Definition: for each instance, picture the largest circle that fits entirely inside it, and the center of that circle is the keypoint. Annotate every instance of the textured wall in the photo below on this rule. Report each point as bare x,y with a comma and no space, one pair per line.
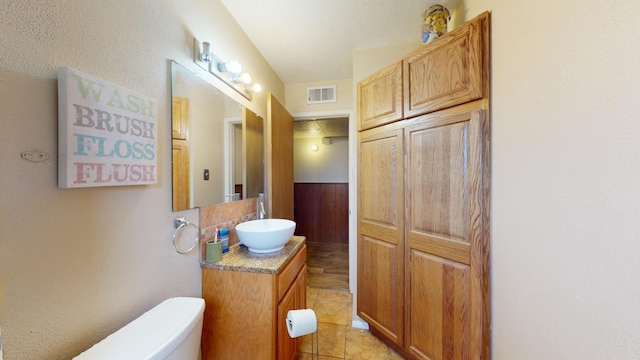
565,248
77,264
296,98
565,198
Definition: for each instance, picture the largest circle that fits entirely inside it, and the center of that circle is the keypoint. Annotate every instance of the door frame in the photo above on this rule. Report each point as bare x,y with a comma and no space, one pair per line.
357,322
229,155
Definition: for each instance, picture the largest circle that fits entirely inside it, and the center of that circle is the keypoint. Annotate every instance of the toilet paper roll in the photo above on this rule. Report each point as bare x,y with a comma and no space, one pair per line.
301,322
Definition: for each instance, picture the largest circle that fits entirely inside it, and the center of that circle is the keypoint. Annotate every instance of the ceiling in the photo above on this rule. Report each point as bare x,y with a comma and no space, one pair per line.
321,128
312,40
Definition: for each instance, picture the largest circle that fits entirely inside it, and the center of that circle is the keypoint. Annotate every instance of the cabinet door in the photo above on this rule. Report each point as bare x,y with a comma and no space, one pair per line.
380,97
294,298
380,230
449,71
447,235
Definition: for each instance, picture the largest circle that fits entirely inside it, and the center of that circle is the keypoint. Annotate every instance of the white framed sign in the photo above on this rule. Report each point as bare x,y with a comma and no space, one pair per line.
107,135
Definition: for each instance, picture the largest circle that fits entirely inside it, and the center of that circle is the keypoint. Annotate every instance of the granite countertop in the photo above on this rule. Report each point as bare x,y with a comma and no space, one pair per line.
239,258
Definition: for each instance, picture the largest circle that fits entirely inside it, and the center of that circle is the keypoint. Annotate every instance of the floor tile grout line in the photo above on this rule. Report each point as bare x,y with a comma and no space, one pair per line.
344,351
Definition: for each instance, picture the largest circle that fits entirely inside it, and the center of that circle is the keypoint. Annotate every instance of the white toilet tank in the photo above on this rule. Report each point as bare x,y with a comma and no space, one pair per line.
171,330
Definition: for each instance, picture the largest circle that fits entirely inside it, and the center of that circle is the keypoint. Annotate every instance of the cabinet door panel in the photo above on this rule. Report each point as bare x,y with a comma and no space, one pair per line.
381,179
440,314
380,97
438,174
448,73
379,292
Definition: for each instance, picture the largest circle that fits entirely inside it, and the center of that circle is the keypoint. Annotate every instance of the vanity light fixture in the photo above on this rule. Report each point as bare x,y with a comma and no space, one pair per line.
230,72
244,78
231,66
205,52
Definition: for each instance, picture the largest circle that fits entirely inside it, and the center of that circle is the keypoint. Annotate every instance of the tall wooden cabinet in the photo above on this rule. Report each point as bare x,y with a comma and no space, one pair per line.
423,204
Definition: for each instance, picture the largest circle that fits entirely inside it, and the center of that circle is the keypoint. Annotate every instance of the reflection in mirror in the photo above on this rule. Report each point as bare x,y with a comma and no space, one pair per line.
218,145
253,155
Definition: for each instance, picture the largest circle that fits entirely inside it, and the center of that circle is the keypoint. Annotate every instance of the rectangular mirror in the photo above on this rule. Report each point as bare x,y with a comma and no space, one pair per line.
218,144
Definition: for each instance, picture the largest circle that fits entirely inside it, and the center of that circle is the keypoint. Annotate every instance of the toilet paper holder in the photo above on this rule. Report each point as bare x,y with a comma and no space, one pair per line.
304,322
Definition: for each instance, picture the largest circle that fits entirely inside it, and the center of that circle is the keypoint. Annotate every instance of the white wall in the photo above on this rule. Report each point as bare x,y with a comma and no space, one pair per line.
296,97
330,164
77,264
565,244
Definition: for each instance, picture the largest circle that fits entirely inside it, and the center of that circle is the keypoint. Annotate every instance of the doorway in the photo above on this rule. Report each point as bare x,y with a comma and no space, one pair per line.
321,197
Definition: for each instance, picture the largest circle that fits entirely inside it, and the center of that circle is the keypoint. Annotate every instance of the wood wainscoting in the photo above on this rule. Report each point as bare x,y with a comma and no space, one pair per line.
321,211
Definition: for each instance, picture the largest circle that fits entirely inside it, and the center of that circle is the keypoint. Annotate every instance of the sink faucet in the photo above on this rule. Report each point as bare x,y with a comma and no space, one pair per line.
262,214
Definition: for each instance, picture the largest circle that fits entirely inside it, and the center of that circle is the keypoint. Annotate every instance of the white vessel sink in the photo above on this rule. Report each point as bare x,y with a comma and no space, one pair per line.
265,235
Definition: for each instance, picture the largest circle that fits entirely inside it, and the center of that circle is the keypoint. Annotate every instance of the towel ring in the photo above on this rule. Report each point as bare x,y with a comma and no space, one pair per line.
181,224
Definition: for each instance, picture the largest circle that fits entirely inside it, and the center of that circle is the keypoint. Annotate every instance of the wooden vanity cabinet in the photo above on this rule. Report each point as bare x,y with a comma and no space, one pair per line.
245,311
423,207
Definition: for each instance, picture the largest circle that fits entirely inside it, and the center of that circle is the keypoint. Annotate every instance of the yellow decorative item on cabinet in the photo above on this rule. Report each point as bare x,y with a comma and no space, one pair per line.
436,19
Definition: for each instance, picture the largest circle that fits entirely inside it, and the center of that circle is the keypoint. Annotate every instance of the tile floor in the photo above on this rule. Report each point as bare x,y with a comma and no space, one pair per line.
337,339
328,265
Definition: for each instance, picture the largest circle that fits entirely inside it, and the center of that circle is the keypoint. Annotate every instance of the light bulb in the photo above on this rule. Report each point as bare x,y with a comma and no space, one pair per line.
234,67
256,88
314,147
244,78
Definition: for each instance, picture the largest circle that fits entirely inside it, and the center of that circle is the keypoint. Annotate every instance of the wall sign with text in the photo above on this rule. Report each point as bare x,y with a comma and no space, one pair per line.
107,135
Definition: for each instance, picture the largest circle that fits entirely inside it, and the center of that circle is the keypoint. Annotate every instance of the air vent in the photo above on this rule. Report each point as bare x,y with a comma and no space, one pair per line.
318,95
